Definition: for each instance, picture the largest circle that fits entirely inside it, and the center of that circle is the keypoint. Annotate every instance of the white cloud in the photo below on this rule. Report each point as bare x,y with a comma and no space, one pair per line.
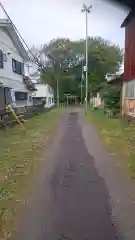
41,20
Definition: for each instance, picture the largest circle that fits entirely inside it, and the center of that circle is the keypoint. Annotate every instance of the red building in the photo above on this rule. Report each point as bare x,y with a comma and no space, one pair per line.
129,66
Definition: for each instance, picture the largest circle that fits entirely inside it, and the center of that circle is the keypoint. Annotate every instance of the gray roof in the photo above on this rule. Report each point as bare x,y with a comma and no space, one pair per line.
128,19
5,23
112,77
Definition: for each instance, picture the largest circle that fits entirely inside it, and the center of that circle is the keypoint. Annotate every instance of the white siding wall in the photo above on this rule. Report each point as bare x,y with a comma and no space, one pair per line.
7,76
43,92
7,46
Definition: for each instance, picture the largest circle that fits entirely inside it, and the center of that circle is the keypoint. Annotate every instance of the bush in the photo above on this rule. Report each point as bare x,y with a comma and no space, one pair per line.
112,99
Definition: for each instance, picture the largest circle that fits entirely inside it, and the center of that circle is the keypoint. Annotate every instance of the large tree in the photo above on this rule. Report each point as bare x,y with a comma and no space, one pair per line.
65,59
61,60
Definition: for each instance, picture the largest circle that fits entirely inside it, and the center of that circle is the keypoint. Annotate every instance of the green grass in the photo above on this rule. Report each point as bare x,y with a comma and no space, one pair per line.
118,135
21,154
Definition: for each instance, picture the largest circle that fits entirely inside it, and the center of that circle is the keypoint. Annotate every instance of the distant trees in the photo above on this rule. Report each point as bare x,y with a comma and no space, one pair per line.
65,58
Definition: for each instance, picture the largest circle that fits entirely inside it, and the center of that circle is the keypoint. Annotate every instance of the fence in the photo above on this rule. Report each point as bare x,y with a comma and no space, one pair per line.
25,113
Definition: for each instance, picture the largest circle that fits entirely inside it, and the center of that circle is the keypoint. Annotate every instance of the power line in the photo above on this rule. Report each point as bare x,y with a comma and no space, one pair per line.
35,59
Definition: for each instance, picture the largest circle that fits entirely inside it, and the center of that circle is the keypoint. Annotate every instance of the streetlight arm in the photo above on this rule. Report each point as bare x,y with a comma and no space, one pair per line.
89,8
86,9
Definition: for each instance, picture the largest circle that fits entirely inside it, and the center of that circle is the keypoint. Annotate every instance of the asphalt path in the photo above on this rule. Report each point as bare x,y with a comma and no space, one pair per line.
70,200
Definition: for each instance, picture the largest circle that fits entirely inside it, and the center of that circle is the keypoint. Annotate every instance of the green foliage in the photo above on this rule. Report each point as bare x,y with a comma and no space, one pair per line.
118,135
103,58
111,98
65,59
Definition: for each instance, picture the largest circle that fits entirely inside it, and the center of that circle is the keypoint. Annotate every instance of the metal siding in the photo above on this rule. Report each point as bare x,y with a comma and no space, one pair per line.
129,65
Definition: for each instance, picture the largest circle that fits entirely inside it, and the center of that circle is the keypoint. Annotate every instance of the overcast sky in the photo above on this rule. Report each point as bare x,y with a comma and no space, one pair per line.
39,21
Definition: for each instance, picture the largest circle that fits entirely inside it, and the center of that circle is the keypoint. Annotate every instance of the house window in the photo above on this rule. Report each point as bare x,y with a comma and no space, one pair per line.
44,100
50,100
8,96
30,98
17,67
130,89
21,96
4,57
49,89
1,59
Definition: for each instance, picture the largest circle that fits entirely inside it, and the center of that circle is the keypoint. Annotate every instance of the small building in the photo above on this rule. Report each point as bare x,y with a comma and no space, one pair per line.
12,60
128,98
43,95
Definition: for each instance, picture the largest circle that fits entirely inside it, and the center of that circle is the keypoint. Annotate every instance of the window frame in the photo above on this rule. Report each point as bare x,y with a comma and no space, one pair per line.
130,89
17,67
1,59
30,98
23,93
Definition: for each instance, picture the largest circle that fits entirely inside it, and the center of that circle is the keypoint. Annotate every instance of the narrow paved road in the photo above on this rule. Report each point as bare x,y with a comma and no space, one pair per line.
71,201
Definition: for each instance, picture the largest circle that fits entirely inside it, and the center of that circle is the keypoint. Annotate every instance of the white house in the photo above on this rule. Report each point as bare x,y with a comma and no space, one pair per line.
12,59
44,94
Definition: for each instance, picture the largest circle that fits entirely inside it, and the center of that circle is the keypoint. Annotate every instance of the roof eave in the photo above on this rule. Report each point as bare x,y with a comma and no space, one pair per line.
127,20
15,38
116,79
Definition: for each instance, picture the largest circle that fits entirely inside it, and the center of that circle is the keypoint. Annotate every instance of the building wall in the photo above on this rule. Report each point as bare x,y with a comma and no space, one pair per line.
22,103
7,76
128,90
129,60
44,91
128,98
41,91
7,46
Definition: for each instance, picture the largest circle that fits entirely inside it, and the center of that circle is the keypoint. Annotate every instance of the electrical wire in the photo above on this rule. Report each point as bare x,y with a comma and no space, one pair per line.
35,59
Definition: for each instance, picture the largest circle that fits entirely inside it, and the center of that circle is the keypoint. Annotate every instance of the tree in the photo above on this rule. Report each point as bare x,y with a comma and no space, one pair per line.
64,61
61,61
111,96
103,57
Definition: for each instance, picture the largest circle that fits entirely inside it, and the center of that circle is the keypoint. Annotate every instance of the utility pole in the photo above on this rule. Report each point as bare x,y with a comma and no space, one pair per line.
67,101
57,78
86,10
82,82
28,67
57,90
81,92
